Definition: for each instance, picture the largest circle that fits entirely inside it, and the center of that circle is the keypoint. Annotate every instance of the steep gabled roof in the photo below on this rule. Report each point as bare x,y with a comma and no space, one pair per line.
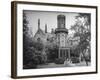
40,32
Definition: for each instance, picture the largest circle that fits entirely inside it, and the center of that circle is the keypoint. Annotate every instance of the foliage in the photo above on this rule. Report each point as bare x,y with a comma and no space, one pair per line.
38,46
27,56
74,52
39,59
82,30
31,49
59,61
52,51
75,60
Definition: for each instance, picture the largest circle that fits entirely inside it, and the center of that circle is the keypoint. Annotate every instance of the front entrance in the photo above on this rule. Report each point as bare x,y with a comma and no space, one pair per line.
64,53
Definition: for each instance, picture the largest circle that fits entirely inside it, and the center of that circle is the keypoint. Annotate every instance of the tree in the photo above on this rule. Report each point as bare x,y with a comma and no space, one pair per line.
82,30
32,50
28,49
52,51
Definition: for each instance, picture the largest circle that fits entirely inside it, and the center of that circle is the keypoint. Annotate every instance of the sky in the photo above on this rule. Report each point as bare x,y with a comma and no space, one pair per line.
49,18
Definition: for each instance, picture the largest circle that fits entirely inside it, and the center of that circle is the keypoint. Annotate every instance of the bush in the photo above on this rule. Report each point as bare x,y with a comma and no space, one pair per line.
75,60
88,59
39,60
31,64
59,61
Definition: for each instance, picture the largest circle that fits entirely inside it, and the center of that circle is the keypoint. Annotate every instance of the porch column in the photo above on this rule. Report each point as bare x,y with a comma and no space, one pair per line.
69,53
59,53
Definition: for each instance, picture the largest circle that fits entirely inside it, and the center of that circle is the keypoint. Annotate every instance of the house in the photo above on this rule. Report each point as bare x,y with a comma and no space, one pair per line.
59,36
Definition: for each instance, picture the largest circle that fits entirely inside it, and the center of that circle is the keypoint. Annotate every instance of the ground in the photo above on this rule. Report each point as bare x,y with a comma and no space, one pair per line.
53,65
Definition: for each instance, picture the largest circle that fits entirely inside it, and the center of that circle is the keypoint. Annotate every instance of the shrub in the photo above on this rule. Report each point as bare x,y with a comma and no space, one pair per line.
75,60
31,64
39,60
59,61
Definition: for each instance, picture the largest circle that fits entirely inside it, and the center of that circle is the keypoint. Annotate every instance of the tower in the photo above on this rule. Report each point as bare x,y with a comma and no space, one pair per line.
61,21
61,37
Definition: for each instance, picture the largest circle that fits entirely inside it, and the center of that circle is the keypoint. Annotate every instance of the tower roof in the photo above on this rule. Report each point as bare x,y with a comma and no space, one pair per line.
58,30
61,16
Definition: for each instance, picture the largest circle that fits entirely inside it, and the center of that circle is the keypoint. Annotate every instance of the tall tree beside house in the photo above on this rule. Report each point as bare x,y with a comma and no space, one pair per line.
27,45
82,30
32,50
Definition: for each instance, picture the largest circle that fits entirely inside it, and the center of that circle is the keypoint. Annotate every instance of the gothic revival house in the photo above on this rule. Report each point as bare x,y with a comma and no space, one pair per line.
43,36
59,35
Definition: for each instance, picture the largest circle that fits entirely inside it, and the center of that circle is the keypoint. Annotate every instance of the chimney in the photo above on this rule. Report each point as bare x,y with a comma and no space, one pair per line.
45,28
38,23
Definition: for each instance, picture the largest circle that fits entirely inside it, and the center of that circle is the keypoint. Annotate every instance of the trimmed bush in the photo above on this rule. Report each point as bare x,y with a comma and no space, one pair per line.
75,60
59,61
32,64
